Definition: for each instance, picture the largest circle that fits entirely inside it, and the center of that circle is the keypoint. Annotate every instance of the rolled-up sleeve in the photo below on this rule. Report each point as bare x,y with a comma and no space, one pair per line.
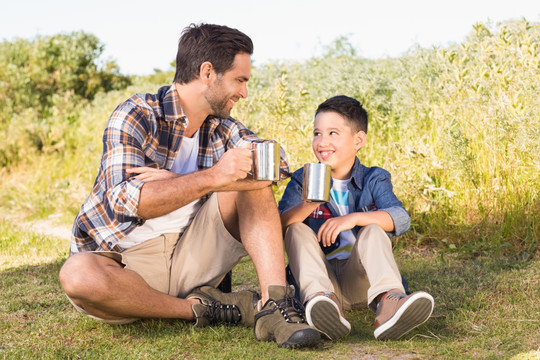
385,200
123,142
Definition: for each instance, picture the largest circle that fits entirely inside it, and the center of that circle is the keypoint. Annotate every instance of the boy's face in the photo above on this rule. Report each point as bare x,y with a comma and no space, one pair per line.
335,143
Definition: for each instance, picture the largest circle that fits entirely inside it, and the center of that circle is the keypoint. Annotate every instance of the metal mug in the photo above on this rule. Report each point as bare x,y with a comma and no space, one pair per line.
266,160
316,186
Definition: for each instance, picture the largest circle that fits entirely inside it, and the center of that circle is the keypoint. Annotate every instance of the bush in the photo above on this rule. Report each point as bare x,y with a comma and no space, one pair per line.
42,81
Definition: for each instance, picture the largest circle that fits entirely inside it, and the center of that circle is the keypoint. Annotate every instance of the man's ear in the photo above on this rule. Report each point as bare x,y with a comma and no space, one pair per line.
360,139
206,71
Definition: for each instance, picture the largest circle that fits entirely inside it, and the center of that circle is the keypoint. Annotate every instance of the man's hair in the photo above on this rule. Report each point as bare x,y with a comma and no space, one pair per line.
349,108
217,44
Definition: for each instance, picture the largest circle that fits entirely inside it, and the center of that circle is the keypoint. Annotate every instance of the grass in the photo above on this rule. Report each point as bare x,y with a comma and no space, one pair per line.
486,308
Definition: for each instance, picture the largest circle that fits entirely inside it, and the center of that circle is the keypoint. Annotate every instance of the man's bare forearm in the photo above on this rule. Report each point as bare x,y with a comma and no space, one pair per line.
161,197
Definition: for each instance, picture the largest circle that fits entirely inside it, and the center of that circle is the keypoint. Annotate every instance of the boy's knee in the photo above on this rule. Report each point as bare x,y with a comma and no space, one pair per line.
297,230
373,232
299,234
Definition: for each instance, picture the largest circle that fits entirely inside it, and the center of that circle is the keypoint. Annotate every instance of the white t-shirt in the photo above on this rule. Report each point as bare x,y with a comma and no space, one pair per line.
178,220
339,198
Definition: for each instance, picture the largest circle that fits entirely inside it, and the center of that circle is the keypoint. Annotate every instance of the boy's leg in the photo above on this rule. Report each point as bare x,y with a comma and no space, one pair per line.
396,313
317,282
308,263
372,258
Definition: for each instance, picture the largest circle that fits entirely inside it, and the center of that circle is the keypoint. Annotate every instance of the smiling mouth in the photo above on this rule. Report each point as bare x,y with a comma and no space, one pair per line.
325,154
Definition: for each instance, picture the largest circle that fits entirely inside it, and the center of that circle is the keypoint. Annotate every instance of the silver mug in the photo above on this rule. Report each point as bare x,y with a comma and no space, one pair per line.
266,160
316,186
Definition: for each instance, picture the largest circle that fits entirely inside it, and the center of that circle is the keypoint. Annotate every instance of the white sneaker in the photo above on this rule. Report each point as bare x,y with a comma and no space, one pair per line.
323,314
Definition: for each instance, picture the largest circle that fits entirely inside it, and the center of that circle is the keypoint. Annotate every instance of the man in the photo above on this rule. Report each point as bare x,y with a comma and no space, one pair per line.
172,209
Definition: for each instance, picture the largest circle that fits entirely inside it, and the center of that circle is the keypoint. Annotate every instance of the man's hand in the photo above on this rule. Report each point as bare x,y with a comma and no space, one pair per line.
146,174
234,165
331,228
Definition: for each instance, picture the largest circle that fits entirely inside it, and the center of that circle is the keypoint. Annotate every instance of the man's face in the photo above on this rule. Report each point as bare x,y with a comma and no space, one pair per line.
229,87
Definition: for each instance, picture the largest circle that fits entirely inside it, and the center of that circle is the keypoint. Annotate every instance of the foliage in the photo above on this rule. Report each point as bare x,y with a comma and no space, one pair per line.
42,82
457,127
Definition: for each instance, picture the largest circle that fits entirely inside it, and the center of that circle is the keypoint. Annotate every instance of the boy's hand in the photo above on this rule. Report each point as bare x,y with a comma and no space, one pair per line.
331,228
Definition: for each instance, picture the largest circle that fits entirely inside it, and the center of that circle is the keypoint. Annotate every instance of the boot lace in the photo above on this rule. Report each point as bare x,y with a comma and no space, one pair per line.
291,309
219,313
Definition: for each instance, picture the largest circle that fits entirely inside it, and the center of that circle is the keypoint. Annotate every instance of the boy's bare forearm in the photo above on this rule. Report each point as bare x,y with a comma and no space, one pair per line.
379,217
298,213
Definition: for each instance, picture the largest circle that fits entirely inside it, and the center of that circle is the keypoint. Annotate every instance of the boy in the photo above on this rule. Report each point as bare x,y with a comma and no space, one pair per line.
339,252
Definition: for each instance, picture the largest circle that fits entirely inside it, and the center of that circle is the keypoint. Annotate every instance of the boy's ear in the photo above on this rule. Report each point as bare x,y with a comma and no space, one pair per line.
360,139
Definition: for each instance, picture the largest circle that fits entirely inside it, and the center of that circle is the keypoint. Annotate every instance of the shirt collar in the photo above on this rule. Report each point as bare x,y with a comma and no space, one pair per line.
357,173
171,106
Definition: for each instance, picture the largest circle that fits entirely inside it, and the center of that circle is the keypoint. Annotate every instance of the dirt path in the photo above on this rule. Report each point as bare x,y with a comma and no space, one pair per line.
47,227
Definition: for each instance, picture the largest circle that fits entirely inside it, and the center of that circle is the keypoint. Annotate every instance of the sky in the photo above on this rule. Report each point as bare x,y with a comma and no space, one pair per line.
143,35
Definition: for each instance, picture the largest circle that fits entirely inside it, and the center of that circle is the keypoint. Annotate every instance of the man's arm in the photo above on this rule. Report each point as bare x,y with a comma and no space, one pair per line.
164,191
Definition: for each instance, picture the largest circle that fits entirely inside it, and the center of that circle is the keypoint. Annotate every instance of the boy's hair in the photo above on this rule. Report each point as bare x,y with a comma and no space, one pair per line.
217,44
349,108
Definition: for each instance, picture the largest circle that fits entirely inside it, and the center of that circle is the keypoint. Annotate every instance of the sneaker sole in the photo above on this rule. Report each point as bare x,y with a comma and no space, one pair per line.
323,315
413,313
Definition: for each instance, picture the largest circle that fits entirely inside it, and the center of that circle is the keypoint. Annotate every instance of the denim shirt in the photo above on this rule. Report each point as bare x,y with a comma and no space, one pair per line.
370,189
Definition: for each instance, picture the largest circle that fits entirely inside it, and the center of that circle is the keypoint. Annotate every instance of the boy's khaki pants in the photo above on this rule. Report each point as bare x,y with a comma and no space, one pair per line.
370,270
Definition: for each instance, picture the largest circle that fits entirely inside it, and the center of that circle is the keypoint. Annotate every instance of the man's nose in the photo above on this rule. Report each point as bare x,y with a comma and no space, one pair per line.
244,91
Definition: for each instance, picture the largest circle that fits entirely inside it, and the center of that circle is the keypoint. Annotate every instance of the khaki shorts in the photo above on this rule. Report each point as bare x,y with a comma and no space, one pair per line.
175,265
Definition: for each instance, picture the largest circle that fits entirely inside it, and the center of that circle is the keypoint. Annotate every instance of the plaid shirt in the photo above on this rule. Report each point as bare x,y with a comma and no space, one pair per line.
145,130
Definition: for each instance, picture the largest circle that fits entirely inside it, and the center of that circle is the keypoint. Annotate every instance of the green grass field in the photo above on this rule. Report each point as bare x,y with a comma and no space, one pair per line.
486,308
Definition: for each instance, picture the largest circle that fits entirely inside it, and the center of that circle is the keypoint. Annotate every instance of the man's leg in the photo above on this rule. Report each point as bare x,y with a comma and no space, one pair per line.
253,217
107,290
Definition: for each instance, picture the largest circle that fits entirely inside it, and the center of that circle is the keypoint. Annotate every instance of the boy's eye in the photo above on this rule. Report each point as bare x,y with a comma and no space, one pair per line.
316,133
333,133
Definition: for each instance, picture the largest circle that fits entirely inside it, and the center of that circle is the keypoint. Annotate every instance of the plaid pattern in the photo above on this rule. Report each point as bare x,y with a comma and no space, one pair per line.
145,130
321,212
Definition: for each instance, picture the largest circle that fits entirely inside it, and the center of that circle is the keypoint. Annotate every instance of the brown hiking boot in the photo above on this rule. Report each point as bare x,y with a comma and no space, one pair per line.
397,313
217,307
323,313
281,319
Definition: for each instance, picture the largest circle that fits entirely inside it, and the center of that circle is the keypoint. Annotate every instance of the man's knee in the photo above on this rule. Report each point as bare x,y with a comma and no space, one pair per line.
83,275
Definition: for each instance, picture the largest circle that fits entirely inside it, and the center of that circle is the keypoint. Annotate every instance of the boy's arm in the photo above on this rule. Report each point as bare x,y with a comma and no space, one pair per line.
331,228
297,213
